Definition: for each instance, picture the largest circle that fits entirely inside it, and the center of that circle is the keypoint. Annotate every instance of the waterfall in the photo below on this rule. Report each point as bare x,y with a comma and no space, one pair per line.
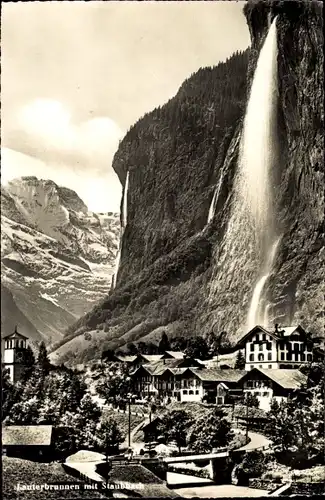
125,201
214,200
256,162
251,238
123,226
258,315
257,145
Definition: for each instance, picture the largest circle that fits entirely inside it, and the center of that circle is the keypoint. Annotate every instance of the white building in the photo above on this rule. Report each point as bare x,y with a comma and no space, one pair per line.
284,348
15,346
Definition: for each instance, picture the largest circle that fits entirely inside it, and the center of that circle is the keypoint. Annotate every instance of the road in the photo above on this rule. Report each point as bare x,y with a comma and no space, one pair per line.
256,441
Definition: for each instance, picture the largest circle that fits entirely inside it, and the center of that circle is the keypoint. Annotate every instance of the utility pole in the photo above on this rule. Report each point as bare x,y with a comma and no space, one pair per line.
106,450
246,418
129,430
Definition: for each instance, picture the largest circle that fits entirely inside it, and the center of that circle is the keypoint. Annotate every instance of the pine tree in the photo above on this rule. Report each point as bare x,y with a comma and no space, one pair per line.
240,361
28,362
42,358
164,344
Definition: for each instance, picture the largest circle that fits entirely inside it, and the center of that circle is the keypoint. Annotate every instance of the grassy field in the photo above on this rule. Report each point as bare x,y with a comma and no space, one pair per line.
17,473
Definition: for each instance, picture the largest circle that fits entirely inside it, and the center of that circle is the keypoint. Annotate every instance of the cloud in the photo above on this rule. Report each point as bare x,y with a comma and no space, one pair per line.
45,129
49,144
100,193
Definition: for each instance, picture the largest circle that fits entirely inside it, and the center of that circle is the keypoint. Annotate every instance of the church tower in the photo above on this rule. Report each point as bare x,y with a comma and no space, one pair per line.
14,354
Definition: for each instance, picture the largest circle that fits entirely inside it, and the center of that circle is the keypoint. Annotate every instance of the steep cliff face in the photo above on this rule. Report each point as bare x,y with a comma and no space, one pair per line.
297,286
176,269
56,257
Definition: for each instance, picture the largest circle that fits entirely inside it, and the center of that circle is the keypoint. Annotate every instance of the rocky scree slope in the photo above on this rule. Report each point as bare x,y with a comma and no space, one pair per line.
56,257
170,275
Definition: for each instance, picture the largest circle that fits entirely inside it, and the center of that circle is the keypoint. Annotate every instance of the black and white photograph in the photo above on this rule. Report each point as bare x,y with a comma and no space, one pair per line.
162,249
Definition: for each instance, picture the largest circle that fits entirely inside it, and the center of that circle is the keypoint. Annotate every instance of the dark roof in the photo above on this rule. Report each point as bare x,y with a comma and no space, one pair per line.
26,435
15,335
288,379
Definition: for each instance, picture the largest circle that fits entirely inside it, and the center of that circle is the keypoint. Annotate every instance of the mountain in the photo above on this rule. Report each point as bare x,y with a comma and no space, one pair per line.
186,265
57,258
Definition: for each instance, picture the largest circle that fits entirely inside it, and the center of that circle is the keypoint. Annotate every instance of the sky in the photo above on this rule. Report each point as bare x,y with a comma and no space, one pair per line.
77,75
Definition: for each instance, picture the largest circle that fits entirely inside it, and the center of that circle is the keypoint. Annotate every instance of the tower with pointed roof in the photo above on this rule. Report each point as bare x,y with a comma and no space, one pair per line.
15,346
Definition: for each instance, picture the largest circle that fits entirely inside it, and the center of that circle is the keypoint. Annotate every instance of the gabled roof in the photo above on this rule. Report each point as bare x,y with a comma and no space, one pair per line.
217,375
26,435
285,331
126,359
151,357
288,379
176,354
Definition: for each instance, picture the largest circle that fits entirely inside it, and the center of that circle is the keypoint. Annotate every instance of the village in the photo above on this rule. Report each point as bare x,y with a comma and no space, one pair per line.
172,421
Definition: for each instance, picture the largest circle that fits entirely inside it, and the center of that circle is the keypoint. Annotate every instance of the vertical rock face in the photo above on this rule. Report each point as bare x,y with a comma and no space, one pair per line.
176,270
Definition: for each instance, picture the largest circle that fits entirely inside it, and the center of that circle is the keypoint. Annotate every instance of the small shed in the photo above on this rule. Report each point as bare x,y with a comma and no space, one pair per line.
33,442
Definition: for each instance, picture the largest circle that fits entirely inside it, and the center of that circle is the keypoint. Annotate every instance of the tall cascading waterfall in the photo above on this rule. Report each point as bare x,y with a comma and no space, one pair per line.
251,240
257,158
123,226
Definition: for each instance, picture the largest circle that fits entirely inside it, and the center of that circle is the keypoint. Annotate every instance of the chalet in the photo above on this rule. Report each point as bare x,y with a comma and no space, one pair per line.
138,360
184,380
285,348
268,384
158,378
197,384
33,442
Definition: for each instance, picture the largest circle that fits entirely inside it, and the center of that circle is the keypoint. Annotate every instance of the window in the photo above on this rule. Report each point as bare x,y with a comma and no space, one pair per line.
303,357
251,357
261,366
185,383
252,346
269,356
260,347
289,356
270,366
265,394
261,357
282,356
250,383
309,357
184,391
257,393
264,336
257,338
190,392
296,346
197,392
252,367
296,356
269,346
